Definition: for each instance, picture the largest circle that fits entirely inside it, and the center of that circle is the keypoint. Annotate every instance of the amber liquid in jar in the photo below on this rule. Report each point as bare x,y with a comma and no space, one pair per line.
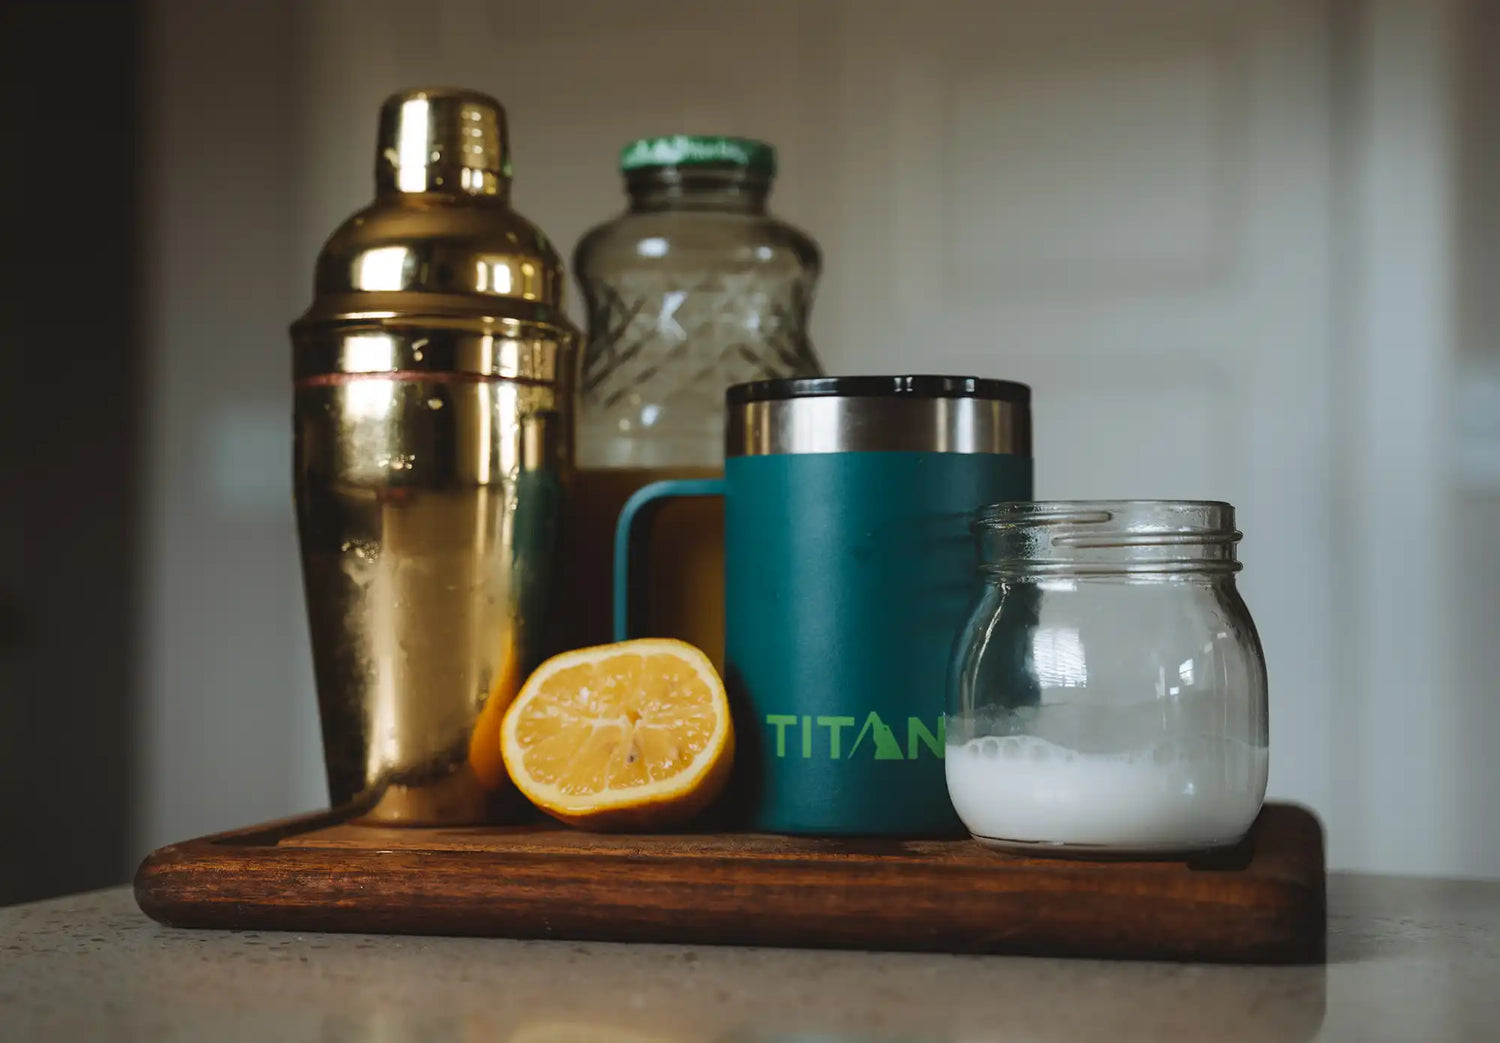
683,570
693,288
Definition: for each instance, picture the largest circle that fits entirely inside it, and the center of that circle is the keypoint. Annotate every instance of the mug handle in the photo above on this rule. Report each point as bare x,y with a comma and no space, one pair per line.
639,510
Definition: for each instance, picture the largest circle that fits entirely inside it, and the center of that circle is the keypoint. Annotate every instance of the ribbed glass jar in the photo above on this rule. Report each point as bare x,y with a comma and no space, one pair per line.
693,288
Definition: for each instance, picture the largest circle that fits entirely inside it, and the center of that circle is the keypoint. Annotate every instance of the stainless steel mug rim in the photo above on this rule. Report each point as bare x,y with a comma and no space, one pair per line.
918,413
917,385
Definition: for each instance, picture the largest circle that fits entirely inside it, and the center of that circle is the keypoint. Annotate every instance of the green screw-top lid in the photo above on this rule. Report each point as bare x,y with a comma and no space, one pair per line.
679,150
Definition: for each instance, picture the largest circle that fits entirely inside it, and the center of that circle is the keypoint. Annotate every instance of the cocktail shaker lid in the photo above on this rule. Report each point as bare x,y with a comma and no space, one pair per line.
442,139
440,241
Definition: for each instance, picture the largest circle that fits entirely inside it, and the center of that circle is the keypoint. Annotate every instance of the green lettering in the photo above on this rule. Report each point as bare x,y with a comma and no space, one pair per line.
916,732
806,737
780,721
886,746
835,725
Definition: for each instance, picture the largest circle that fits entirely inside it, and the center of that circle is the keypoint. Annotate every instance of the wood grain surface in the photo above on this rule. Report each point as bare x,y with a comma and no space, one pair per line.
1261,904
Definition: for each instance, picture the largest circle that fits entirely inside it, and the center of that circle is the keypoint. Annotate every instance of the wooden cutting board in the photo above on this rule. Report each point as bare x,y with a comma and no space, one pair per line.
1263,903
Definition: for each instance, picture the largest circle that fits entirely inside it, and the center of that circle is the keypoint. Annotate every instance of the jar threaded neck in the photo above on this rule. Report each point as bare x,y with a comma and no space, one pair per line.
1080,538
700,187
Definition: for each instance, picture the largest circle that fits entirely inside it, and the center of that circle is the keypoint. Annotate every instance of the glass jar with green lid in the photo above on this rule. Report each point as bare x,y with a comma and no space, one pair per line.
693,288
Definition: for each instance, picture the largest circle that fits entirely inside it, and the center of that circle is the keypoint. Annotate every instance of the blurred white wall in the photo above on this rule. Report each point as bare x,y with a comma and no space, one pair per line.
1475,423
1229,245
230,731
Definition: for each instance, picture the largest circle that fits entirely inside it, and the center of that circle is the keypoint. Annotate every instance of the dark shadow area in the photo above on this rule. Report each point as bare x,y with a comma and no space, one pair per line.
70,446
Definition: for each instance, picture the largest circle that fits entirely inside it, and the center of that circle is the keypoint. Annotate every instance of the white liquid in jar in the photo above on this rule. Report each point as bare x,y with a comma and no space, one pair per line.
1195,793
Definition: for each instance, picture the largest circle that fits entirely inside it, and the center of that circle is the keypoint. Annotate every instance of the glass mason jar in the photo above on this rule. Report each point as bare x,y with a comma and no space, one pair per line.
1108,694
694,288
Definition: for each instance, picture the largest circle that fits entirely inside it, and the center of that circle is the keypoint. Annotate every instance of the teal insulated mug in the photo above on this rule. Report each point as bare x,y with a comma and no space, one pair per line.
848,570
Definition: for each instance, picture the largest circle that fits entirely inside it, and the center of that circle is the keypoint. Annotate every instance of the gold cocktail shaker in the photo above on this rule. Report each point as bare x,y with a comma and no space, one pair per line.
434,393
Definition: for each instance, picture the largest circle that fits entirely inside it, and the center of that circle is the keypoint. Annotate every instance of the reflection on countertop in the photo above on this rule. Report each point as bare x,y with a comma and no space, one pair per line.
1408,959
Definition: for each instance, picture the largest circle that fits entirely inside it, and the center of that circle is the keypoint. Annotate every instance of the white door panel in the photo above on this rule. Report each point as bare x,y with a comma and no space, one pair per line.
1123,205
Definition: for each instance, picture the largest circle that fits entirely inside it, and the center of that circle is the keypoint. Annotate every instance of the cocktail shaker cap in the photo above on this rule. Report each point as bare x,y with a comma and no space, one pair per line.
442,139
440,244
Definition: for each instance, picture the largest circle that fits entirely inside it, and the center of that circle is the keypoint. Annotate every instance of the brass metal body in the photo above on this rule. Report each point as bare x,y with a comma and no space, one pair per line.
434,377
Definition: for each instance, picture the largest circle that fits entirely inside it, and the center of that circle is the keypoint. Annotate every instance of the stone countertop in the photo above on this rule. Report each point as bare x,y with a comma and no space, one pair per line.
1408,959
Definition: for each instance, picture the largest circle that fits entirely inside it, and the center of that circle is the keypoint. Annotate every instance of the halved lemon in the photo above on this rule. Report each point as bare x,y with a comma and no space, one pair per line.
632,736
